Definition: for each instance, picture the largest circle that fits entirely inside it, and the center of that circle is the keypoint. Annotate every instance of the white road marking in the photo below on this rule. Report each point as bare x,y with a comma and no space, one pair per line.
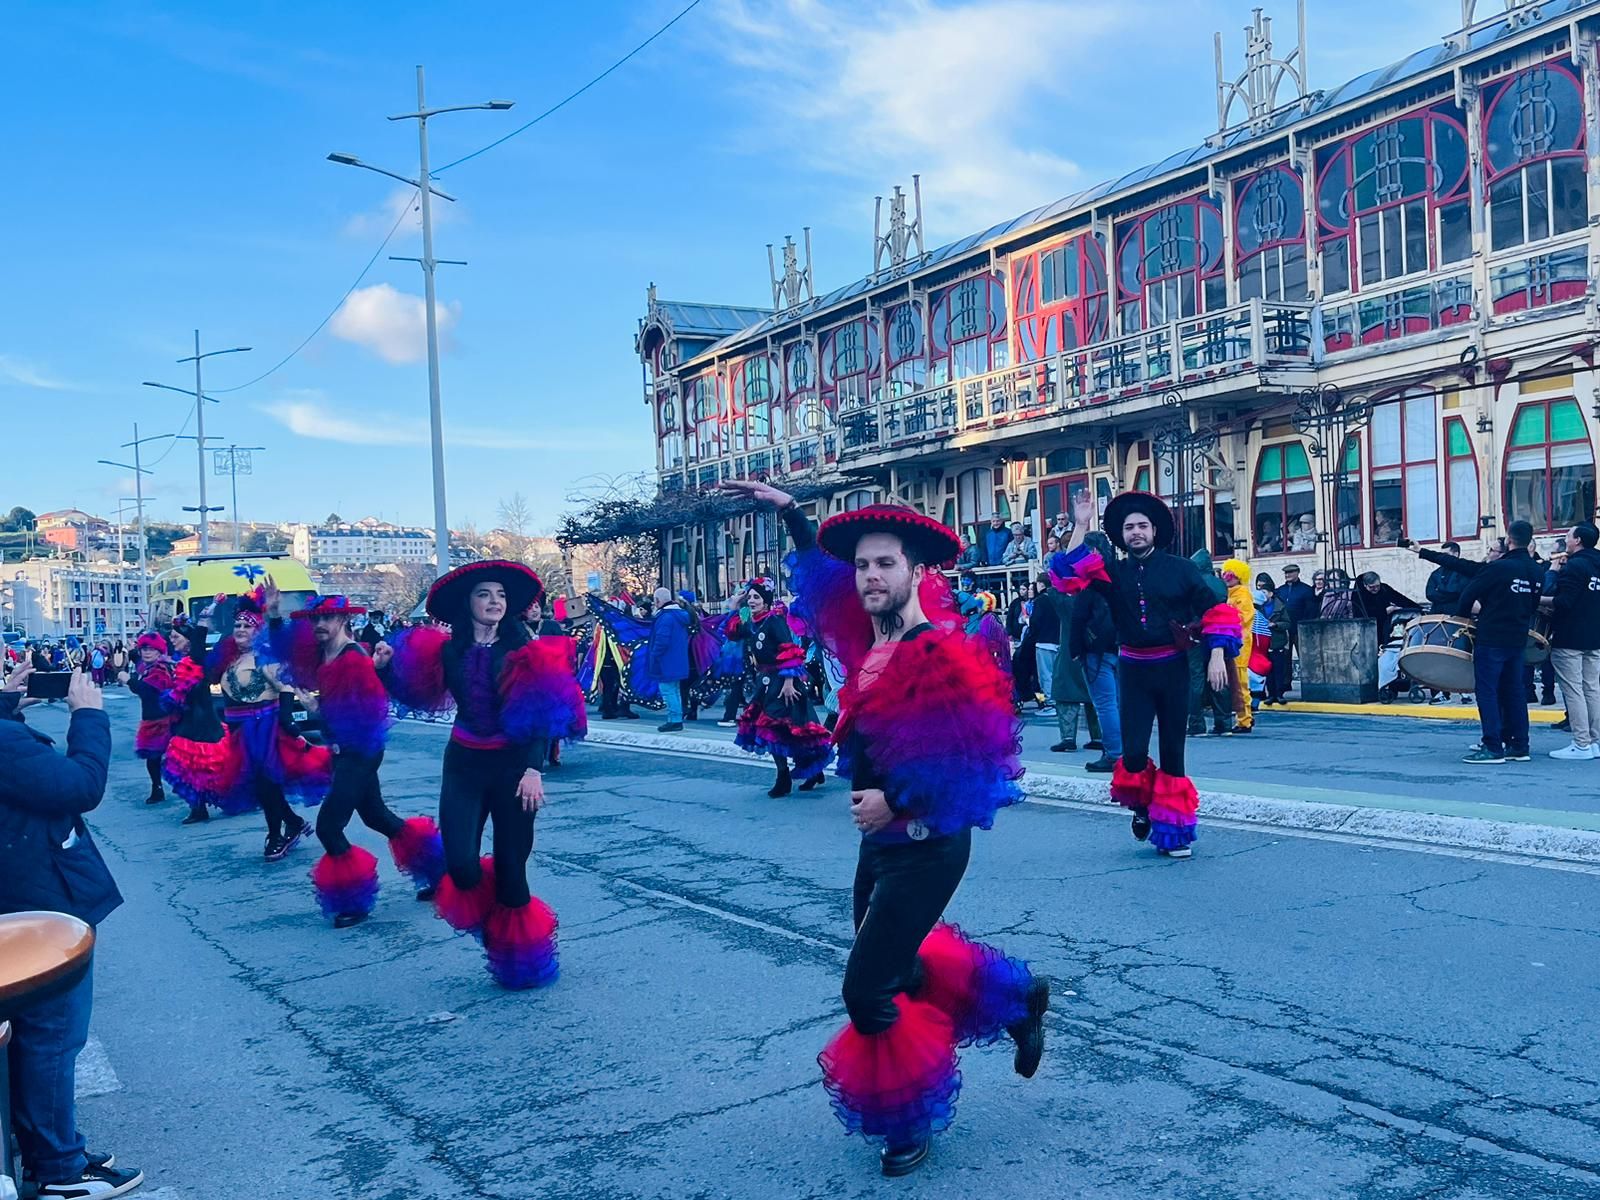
1261,827
95,1075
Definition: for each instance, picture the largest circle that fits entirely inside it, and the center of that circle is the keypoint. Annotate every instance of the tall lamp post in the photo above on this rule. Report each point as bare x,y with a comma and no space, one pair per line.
200,428
139,472
425,188
234,462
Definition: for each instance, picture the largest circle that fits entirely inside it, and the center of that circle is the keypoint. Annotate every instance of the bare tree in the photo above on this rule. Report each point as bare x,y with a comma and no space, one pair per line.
402,589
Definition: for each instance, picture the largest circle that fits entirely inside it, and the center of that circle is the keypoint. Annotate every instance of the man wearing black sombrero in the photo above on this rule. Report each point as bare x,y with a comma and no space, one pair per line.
1161,606
335,681
511,696
929,740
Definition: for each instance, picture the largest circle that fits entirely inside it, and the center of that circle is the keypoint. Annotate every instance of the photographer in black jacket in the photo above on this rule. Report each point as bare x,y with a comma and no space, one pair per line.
49,862
1575,640
1502,599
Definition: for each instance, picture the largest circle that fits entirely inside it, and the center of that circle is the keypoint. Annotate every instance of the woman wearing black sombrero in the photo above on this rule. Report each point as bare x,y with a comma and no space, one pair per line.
511,696
1161,605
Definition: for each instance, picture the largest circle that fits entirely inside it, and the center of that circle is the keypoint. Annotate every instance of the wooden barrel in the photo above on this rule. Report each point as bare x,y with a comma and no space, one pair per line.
41,955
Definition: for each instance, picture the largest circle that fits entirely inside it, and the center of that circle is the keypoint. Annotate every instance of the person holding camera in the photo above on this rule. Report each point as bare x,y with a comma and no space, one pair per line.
49,862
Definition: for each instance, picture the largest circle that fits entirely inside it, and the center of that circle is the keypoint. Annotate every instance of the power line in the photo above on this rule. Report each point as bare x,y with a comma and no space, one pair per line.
405,211
560,104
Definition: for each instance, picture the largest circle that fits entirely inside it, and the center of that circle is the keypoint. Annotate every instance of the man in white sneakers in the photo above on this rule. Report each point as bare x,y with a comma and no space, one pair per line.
1575,640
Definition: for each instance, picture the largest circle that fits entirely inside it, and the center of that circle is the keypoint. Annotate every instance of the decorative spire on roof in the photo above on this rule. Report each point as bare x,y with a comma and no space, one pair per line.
895,246
1257,88
1518,14
794,285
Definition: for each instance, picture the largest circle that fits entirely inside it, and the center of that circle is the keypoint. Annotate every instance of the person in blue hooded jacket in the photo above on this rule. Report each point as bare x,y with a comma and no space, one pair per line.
49,862
667,655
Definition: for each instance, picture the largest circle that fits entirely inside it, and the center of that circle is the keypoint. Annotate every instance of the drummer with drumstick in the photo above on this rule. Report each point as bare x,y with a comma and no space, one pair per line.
1502,597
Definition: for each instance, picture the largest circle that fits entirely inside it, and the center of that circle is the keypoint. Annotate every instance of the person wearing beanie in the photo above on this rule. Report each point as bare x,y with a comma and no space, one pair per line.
151,679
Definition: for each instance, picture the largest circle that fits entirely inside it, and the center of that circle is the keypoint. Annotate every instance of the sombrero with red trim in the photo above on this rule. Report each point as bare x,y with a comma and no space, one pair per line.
331,606
925,539
1121,506
447,598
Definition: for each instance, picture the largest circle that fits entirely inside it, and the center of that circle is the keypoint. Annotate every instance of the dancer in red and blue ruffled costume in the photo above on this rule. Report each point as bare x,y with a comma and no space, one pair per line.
150,678
202,764
511,696
276,767
780,719
337,684
1160,605
929,740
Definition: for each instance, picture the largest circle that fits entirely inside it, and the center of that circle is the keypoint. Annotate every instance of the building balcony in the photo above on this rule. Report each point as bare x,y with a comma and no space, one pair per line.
1213,354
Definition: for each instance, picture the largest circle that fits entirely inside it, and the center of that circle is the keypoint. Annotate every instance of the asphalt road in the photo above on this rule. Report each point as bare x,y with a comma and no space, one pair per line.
1279,1017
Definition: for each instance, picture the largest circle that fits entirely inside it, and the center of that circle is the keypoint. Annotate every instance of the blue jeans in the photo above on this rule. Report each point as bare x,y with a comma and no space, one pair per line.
1502,700
1101,672
45,1042
674,699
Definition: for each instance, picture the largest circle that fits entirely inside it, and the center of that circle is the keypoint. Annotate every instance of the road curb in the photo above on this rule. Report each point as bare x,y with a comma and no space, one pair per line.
1523,839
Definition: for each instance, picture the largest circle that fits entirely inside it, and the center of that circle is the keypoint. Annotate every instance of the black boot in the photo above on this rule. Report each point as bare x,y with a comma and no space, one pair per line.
157,794
902,1160
1141,824
1028,1033
197,815
782,785
814,782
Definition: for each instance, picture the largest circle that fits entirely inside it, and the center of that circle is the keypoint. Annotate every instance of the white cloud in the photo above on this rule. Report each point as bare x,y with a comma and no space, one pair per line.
27,374
310,414
390,323
377,222
947,90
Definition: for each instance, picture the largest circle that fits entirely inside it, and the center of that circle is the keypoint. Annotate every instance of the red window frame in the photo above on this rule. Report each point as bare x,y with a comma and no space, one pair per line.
1204,269
1548,404
1038,326
1406,466
1282,484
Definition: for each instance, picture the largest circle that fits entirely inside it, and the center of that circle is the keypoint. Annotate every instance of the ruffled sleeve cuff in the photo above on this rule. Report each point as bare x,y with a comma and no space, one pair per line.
1072,571
1220,628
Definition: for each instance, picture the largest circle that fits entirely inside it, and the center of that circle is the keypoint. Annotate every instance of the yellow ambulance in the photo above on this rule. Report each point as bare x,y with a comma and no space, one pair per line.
191,585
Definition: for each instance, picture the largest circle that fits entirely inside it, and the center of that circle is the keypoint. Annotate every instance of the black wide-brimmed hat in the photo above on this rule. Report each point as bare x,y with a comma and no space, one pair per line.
447,598
925,539
1127,503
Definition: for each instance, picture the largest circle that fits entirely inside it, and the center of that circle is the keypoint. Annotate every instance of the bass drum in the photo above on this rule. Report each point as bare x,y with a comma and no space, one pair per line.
1437,653
1539,640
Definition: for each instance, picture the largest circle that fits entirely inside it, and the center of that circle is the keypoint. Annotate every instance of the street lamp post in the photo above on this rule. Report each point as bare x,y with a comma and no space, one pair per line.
425,188
200,429
139,472
233,462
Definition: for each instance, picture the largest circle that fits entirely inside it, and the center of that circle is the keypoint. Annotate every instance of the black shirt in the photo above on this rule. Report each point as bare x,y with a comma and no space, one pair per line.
1150,596
1507,592
1577,607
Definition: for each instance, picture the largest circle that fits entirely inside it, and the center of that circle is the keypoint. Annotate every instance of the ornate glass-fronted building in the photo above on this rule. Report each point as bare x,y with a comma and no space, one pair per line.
1350,317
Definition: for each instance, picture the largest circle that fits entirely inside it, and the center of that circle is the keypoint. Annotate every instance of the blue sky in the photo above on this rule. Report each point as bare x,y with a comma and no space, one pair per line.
168,171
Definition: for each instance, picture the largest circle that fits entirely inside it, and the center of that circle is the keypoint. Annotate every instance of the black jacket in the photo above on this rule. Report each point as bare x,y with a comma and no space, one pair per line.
1045,621
43,796
1450,579
1153,598
1375,607
1507,591
1577,606
1093,631
1300,599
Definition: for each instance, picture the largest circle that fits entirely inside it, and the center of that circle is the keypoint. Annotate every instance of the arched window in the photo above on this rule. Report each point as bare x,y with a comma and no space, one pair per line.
1550,466
906,348
705,414
1350,492
1283,496
1169,264
1405,470
1534,156
859,498
1461,480
969,329
1381,193
1270,236
1059,298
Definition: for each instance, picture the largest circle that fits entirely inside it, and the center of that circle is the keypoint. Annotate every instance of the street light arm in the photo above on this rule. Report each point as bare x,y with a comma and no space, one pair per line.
350,160
213,353
493,105
106,462
167,387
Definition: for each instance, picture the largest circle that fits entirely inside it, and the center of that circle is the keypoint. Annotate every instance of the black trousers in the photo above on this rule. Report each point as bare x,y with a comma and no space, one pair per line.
1203,698
1154,694
691,709
480,785
152,767
611,702
735,704
354,790
901,891
1278,678
274,806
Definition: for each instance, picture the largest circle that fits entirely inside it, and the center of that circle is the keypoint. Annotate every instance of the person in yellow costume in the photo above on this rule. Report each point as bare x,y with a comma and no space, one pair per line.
1236,574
